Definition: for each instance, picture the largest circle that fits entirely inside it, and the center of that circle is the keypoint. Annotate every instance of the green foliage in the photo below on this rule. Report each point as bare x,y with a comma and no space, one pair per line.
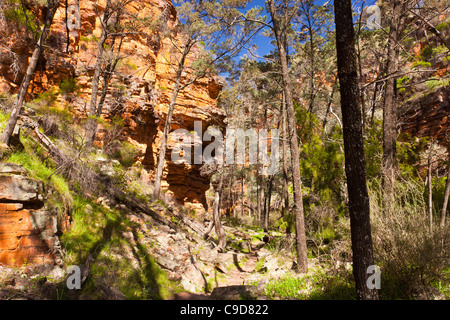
402,82
15,13
410,252
3,120
30,158
316,285
426,53
68,86
40,170
421,64
286,222
125,153
96,231
443,26
434,83
44,99
439,49
431,84
130,65
408,154
91,38
63,115
322,160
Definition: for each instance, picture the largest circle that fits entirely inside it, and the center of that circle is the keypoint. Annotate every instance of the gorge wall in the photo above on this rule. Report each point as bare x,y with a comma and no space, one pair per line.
139,92
28,232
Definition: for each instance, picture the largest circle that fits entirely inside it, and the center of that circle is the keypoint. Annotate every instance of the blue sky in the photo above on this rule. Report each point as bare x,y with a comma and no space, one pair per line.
263,43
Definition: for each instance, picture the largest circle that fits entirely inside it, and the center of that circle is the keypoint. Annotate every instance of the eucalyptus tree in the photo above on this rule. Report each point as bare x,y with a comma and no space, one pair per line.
277,28
314,60
355,166
116,23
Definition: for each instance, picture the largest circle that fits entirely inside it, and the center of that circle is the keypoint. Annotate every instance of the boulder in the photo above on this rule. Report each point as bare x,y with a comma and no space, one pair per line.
12,168
19,188
237,293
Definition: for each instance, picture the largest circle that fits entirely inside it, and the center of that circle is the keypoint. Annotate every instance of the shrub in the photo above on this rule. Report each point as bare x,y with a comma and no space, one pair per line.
68,86
410,252
125,152
6,102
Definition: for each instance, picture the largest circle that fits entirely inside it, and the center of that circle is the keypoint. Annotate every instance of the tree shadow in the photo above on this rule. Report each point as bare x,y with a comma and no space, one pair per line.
236,262
205,282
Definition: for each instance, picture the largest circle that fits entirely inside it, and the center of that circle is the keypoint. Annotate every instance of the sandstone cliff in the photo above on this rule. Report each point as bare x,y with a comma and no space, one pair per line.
139,92
28,232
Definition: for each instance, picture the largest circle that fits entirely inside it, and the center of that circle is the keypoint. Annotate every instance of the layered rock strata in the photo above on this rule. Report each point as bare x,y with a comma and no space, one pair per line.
139,92
28,232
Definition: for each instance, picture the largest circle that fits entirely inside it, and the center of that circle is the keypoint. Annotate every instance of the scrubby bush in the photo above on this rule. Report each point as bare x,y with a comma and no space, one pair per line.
411,252
68,86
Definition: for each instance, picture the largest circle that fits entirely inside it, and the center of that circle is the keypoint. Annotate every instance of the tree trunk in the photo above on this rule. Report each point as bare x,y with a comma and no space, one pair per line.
267,205
108,73
230,202
446,196
302,258
167,126
242,193
389,110
92,122
262,201
285,210
330,102
355,166
430,188
285,162
23,90
216,216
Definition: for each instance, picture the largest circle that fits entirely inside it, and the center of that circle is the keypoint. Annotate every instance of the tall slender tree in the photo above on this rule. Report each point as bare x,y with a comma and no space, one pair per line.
302,258
446,195
355,166
113,30
396,27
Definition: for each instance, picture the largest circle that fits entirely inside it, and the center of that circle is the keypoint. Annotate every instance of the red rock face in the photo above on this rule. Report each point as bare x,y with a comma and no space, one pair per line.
428,116
20,240
28,232
139,93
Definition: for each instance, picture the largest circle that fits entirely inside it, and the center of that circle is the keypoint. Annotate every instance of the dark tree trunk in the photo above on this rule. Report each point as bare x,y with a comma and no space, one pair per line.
302,258
355,166
242,193
430,188
285,164
9,128
446,196
267,205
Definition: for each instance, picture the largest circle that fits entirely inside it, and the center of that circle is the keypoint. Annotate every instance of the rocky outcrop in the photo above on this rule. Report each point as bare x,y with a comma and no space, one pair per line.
28,233
139,92
428,115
